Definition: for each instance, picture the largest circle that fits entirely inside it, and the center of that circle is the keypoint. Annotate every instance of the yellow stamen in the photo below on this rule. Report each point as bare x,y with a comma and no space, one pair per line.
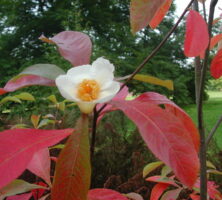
88,90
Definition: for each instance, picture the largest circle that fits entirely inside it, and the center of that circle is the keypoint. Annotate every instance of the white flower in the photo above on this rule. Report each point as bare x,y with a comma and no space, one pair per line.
88,85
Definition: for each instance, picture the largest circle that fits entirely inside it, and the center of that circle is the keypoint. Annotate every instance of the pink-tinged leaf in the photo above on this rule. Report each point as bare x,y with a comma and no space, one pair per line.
142,12
216,65
158,190
160,14
19,145
172,194
196,37
163,180
76,47
39,74
166,136
109,108
20,197
40,165
73,169
105,194
37,193
155,98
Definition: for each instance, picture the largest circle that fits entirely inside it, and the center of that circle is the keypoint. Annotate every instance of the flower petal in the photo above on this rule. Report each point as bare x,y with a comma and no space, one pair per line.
109,93
101,63
81,72
66,87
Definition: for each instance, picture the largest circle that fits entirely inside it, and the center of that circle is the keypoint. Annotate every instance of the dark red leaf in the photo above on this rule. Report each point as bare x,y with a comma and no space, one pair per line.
2,91
216,65
76,47
73,169
160,14
196,37
155,98
166,136
105,194
37,193
162,180
18,147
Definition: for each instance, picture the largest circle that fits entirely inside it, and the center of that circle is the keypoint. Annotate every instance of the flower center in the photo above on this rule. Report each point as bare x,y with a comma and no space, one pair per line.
88,90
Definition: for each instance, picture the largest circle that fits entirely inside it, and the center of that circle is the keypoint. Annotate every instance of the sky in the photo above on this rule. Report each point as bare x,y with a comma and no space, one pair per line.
181,4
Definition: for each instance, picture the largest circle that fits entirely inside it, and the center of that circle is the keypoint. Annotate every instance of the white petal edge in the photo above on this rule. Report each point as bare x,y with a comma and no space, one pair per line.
101,63
66,87
109,93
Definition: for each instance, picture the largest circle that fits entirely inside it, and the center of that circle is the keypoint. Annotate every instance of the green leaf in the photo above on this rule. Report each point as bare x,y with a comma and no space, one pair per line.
210,165
155,81
165,171
25,96
59,146
61,106
53,99
45,122
45,70
151,167
10,98
214,171
73,170
17,187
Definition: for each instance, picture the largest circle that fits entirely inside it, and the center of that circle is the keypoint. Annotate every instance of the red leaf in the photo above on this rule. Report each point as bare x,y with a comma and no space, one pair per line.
155,98
76,47
166,136
216,65
214,40
196,37
40,165
20,197
105,194
160,14
158,190
142,12
194,197
37,193
2,91
18,147
162,180
73,170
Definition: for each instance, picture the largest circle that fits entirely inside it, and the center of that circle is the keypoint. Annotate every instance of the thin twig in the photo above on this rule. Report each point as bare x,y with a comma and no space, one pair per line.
204,11
153,53
203,168
212,132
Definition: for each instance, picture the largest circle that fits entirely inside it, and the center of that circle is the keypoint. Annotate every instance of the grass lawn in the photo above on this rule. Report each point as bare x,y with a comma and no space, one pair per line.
212,112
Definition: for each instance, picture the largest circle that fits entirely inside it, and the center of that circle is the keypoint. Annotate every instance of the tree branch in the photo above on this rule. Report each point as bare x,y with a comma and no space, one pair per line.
203,168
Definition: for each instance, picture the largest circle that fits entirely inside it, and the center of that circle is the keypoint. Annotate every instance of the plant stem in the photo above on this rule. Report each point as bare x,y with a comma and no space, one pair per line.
93,139
212,132
203,168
